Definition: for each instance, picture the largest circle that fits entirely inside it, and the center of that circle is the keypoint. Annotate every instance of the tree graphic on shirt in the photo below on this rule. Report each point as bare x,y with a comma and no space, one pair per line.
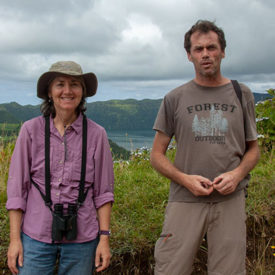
214,125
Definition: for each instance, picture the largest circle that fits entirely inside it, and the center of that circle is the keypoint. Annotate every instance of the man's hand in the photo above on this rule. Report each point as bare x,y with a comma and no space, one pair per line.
15,253
198,185
226,183
103,255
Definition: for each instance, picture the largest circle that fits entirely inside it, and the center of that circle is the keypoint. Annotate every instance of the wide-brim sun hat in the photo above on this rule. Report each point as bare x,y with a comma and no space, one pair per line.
66,68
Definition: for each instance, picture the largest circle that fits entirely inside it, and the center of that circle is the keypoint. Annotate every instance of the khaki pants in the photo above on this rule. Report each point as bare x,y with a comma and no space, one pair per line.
186,224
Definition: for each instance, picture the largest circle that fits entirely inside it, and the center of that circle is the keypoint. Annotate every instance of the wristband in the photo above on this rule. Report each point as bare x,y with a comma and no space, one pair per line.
104,232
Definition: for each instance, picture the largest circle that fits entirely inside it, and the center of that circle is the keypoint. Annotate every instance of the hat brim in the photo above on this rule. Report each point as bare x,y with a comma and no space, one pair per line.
43,82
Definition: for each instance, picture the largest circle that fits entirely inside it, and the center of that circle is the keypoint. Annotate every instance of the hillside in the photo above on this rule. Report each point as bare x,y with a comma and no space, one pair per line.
127,114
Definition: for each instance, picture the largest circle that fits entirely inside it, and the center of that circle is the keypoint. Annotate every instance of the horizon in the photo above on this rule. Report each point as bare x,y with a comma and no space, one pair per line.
38,101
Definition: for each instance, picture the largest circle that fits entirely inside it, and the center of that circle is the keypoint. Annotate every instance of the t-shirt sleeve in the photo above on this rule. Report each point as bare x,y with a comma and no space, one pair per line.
249,114
165,118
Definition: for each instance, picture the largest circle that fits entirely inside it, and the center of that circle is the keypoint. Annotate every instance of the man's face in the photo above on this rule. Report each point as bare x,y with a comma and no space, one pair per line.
206,54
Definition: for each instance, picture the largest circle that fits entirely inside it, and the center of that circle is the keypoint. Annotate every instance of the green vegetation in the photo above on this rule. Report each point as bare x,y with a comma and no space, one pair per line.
129,114
140,199
9,132
266,121
118,152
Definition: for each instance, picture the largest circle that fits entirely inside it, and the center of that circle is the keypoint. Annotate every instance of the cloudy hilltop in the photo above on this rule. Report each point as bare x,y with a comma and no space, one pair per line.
134,47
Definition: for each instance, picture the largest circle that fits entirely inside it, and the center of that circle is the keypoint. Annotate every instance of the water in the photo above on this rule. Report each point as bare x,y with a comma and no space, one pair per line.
131,140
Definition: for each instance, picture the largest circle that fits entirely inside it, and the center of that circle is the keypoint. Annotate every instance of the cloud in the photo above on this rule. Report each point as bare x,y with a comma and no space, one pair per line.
131,44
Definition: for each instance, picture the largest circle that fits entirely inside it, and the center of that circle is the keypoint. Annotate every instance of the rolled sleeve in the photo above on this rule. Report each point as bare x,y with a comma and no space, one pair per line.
104,175
103,199
16,203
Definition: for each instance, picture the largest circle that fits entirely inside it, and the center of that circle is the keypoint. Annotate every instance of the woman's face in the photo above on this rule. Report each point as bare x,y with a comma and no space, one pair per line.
66,93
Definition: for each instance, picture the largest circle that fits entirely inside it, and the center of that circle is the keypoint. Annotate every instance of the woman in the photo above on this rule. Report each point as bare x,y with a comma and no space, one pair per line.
60,186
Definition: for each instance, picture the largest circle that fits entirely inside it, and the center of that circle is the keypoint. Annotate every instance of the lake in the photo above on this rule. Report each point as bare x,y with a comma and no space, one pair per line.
131,140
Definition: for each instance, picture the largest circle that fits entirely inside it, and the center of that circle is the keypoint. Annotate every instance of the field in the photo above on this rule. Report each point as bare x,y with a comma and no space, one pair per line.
141,196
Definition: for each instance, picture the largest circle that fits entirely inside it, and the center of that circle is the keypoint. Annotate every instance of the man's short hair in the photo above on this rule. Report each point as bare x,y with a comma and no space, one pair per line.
204,26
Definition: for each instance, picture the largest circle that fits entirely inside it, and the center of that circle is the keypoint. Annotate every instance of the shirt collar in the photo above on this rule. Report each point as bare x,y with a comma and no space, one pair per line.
76,125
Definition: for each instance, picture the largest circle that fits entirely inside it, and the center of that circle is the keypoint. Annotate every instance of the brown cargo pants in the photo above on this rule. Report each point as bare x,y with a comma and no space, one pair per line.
186,224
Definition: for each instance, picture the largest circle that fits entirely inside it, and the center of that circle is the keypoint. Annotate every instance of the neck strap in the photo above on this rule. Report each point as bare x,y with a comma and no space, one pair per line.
81,195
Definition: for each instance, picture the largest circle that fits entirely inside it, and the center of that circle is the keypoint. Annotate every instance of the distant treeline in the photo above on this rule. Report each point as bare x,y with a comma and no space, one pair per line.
127,114
9,132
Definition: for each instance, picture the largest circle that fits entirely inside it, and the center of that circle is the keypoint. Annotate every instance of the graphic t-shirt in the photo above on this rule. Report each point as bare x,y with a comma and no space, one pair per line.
210,127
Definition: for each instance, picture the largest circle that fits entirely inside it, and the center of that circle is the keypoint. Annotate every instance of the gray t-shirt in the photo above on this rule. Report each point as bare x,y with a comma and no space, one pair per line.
208,126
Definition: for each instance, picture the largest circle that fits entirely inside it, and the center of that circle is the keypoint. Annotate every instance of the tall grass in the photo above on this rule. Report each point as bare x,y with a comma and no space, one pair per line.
5,156
140,200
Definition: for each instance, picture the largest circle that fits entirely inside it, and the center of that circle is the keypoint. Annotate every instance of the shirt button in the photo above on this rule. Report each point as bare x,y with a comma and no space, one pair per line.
62,143
59,180
61,161
57,194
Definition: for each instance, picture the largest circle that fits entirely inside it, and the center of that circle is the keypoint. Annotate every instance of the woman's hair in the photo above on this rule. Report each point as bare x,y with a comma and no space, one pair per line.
47,106
204,26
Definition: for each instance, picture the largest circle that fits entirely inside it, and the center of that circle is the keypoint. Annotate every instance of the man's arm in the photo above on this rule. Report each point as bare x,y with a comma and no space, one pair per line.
196,184
226,183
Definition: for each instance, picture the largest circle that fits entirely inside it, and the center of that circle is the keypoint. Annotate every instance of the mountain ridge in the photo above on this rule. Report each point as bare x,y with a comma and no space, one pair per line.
127,114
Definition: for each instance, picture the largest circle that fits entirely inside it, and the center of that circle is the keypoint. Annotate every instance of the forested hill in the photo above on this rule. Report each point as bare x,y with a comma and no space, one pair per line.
127,114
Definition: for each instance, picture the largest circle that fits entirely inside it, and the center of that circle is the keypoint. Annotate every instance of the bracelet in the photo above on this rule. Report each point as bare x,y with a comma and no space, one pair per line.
104,232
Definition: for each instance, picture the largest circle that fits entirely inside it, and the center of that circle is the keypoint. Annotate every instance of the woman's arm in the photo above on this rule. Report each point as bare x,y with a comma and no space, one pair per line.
103,254
15,251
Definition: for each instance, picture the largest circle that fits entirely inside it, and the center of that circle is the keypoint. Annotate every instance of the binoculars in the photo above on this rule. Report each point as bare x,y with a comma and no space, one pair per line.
64,225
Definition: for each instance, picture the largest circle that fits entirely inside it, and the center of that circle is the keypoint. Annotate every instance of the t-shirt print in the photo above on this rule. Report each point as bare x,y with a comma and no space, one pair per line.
211,128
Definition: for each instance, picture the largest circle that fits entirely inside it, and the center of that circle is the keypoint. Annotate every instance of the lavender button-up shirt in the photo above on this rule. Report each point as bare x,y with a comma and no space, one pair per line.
28,161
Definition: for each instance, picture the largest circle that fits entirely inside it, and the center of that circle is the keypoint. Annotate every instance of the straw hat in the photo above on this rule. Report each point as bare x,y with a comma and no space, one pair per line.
69,68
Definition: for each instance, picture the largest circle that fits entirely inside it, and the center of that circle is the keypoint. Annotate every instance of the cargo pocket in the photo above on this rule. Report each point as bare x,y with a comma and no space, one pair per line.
165,248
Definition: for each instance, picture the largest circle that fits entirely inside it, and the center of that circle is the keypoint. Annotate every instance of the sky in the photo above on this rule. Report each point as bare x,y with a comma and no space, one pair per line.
134,47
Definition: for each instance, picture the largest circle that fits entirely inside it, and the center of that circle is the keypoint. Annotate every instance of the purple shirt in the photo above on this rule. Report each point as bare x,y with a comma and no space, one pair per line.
28,160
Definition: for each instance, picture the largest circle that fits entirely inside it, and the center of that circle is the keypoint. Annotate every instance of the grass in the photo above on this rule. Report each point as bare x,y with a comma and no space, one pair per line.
140,199
261,217
5,156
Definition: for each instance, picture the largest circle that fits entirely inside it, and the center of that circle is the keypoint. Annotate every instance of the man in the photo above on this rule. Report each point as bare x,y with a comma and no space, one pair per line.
216,148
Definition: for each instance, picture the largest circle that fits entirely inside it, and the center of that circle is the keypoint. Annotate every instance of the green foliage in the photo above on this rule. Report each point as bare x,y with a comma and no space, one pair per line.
261,190
265,112
4,238
129,114
5,156
141,196
118,152
140,199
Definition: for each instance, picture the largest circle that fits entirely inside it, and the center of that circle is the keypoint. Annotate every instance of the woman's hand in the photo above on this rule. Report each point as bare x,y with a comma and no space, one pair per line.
15,255
103,255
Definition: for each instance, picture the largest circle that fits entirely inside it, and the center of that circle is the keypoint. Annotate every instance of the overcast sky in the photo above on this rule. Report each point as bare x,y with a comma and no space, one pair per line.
134,47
